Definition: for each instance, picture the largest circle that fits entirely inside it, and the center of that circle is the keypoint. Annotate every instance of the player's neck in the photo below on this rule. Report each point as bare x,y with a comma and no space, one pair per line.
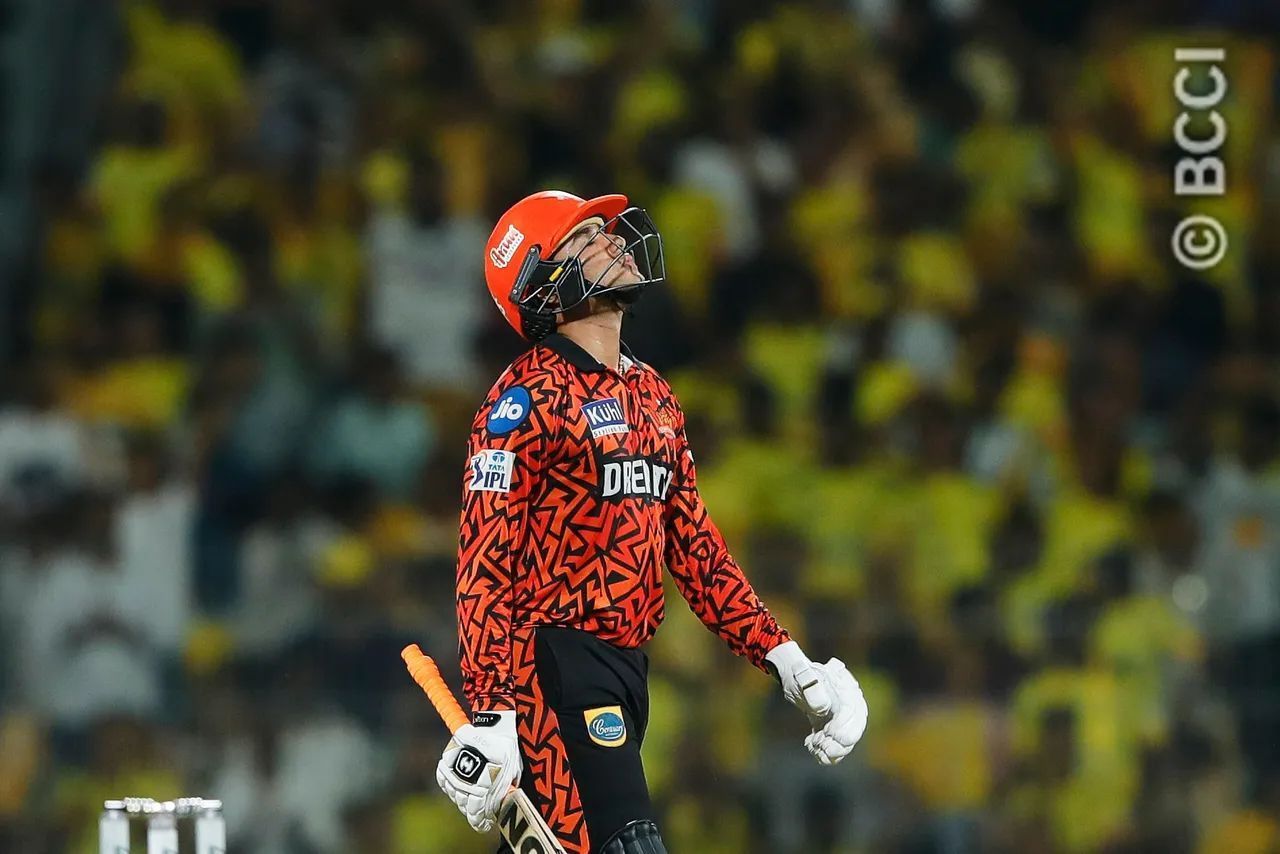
599,334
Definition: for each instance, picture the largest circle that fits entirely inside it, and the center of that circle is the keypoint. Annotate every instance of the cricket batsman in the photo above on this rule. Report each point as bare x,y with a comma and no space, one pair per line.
579,488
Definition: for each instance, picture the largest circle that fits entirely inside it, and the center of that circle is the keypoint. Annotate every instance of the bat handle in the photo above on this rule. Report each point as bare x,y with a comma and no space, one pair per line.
427,675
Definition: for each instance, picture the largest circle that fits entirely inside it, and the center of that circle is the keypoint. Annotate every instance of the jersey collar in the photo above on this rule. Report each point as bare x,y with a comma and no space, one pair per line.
580,358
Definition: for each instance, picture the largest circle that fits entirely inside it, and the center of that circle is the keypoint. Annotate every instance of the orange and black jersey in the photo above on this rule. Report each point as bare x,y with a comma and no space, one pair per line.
579,486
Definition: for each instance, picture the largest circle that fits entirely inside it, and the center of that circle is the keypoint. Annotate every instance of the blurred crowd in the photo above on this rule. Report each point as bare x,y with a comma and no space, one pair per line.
960,416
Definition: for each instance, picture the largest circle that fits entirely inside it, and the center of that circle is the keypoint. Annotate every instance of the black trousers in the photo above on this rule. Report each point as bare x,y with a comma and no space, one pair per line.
587,705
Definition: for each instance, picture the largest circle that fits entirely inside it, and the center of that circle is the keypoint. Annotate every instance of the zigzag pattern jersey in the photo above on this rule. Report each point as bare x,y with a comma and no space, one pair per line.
579,486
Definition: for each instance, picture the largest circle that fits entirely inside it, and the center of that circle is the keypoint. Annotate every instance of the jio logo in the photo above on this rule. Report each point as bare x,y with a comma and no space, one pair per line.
510,411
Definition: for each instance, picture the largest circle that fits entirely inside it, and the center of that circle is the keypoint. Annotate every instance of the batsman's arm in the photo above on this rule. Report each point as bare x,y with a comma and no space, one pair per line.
509,440
705,572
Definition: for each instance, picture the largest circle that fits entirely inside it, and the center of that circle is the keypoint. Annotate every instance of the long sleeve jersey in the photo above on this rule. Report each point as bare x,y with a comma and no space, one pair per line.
579,486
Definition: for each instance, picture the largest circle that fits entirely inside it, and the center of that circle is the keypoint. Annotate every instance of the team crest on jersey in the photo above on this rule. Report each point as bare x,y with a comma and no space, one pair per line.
491,471
666,419
605,726
605,417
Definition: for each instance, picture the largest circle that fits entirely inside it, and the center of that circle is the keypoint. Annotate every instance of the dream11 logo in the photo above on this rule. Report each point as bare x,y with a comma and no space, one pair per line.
1199,241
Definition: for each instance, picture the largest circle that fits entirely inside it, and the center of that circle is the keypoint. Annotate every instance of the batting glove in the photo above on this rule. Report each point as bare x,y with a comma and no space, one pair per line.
828,695
480,765
848,720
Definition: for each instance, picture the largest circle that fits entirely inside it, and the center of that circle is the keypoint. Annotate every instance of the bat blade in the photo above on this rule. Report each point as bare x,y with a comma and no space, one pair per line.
523,828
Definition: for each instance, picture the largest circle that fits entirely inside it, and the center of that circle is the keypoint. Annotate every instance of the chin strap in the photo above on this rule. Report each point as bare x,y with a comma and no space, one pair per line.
625,296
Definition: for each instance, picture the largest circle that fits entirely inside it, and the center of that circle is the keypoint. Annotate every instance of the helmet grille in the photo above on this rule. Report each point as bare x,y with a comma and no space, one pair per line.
536,326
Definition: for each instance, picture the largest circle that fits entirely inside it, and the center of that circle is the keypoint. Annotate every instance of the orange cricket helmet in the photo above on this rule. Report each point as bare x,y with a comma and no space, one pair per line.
530,289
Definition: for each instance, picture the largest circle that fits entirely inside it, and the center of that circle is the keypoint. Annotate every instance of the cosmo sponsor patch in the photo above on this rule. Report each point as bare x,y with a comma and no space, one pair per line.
491,471
605,417
509,411
605,726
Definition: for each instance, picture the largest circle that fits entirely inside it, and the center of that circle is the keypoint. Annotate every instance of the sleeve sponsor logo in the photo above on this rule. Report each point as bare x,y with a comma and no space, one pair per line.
491,471
634,477
605,726
502,254
605,417
509,411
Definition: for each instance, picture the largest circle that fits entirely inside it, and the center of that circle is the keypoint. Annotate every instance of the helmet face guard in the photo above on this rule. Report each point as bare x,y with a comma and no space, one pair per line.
545,287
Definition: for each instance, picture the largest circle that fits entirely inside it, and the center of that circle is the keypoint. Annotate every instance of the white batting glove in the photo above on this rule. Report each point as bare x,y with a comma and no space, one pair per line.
848,720
828,695
480,765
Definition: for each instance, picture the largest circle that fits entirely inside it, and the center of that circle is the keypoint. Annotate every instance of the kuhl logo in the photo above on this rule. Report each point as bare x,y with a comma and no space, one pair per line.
605,417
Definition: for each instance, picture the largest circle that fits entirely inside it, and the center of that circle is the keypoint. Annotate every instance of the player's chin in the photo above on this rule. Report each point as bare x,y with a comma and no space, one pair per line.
622,277
606,304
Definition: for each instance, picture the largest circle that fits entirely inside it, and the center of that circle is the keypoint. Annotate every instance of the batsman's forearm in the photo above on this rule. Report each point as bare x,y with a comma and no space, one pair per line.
724,600
484,607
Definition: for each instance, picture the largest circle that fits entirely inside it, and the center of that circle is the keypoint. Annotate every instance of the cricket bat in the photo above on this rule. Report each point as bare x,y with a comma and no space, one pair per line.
518,822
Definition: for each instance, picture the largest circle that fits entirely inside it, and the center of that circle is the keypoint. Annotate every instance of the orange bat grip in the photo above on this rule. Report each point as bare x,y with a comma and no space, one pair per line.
427,675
